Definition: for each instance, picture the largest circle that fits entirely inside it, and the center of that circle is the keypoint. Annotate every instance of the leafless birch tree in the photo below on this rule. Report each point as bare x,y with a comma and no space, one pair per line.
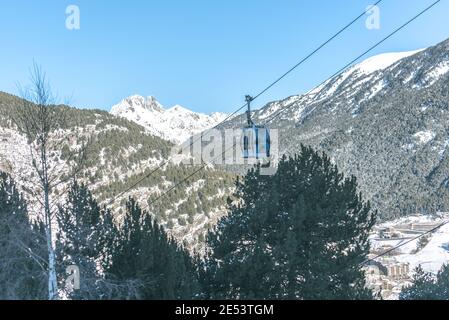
44,124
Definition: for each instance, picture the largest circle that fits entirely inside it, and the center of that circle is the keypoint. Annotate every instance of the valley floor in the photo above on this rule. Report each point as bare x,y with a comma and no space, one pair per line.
390,273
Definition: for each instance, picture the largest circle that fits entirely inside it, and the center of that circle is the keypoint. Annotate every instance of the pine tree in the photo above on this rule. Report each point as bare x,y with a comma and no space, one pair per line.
22,246
299,234
147,263
84,240
426,286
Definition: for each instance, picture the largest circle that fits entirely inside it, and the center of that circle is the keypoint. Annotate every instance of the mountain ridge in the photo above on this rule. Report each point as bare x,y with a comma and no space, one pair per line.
120,154
387,127
175,124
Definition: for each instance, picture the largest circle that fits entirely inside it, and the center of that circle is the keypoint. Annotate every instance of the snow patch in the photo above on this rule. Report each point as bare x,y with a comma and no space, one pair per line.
382,61
424,137
437,72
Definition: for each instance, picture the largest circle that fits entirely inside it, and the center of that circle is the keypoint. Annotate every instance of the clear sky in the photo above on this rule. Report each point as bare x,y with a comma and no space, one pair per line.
202,54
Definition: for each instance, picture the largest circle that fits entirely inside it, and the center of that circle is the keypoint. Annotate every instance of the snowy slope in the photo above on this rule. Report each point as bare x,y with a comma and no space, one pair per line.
175,124
346,85
434,254
382,61
383,120
397,267
120,152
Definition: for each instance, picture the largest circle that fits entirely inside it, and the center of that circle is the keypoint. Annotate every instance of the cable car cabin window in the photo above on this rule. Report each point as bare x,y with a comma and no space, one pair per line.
256,142
267,143
245,146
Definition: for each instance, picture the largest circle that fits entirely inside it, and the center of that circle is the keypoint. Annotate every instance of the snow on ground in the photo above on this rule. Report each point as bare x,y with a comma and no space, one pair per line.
437,72
382,61
360,73
377,88
176,124
399,246
424,137
340,79
443,149
435,253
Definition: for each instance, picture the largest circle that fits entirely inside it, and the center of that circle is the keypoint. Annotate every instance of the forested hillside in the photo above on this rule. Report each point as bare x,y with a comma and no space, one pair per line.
385,121
119,153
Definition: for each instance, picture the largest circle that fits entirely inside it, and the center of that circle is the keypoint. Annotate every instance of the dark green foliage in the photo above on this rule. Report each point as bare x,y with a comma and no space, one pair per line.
22,246
137,260
299,234
147,263
425,286
85,237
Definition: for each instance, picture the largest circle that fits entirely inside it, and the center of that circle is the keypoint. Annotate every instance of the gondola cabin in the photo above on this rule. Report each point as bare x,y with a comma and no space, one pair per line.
256,138
256,142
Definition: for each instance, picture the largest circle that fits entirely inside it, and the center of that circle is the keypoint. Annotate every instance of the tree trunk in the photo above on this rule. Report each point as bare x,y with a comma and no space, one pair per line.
52,279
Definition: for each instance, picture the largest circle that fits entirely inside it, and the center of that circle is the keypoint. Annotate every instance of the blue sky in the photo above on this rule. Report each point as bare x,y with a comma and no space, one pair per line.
203,54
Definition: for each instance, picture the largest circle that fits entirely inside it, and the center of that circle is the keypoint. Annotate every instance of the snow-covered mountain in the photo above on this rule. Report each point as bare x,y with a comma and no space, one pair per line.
384,120
368,74
120,153
175,124
364,81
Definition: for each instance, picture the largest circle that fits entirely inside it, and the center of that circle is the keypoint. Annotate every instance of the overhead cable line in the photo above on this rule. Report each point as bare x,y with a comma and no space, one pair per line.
254,98
404,243
367,51
364,53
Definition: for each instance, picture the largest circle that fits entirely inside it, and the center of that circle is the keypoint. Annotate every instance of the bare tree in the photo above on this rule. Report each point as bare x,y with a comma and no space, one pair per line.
44,124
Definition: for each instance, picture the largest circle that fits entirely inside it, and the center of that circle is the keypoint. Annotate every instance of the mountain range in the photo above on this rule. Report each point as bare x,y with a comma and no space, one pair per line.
119,154
175,124
384,120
